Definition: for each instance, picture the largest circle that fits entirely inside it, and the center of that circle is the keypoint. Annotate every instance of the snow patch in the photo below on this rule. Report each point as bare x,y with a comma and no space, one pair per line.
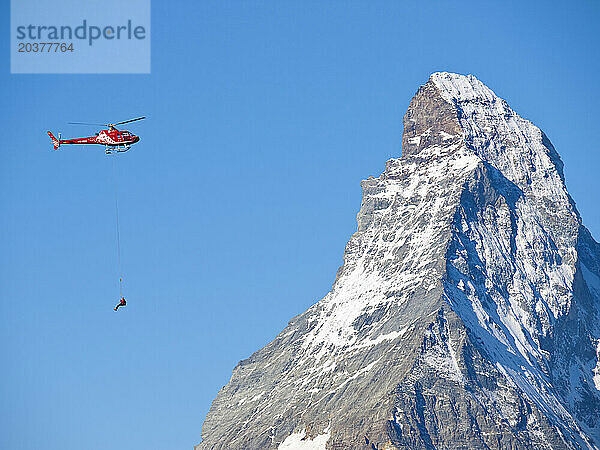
444,362
597,368
381,338
299,441
415,140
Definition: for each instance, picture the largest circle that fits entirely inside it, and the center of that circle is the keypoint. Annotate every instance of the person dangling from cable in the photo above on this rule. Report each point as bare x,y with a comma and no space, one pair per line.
122,302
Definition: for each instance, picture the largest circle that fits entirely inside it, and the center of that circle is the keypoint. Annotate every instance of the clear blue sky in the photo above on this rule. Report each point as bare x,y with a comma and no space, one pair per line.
238,200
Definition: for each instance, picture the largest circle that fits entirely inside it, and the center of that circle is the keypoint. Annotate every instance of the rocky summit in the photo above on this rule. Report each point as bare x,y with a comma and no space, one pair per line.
466,314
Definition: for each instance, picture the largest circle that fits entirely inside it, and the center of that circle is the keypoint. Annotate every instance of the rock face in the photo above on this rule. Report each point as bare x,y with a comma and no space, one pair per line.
466,313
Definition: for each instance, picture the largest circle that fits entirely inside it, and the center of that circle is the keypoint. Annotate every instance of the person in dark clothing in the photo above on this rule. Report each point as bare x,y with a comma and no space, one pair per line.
122,302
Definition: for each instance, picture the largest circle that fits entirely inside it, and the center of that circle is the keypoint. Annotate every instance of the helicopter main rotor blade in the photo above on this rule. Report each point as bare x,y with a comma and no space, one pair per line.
130,120
86,123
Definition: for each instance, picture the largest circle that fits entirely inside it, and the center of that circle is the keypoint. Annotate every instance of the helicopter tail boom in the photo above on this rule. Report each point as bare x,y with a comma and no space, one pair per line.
55,142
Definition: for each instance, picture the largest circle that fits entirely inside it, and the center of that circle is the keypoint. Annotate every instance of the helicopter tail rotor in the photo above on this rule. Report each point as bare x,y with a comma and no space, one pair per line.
55,142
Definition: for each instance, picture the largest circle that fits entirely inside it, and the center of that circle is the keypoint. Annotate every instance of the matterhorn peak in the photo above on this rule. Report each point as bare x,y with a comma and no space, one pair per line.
466,311
451,106
462,88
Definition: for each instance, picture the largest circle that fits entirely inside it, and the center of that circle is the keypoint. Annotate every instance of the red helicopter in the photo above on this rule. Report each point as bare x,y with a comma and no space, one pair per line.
114,140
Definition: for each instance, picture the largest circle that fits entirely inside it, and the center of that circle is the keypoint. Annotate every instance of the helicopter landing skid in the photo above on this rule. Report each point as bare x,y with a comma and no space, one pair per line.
117,149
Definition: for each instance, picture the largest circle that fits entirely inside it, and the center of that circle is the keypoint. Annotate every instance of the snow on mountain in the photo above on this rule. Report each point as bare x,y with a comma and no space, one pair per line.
465,313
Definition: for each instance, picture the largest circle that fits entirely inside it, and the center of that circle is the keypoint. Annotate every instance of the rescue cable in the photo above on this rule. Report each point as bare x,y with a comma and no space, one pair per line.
120,272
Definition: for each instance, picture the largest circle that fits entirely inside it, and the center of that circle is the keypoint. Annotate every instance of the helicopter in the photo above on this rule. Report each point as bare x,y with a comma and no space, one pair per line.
115,141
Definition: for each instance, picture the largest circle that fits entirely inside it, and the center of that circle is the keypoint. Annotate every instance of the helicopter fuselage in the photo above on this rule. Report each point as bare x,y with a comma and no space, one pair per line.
112,138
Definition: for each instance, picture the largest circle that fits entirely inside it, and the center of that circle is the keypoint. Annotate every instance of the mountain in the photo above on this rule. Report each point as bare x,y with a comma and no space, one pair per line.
466,312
